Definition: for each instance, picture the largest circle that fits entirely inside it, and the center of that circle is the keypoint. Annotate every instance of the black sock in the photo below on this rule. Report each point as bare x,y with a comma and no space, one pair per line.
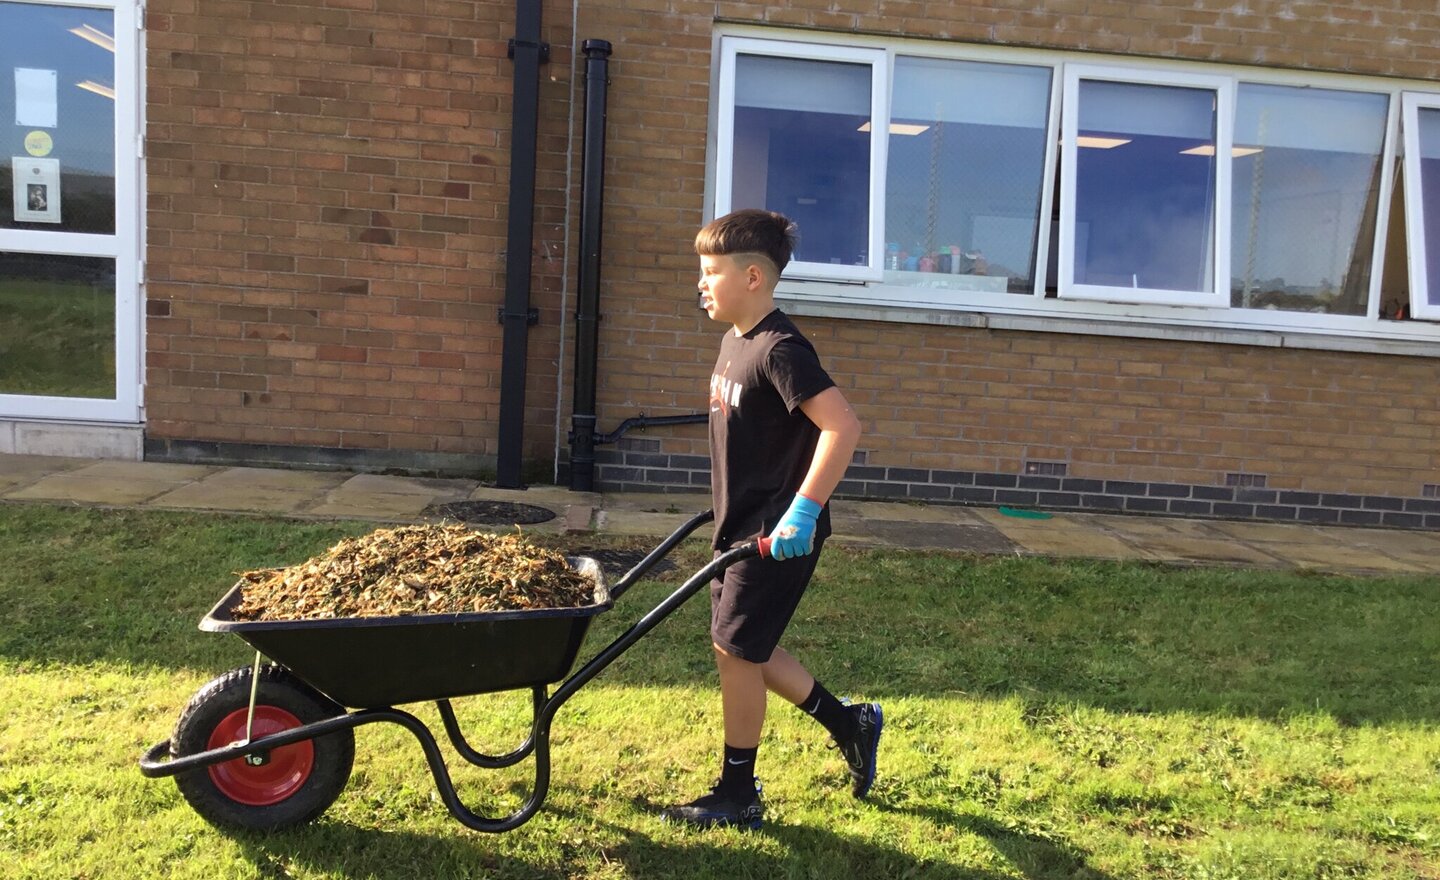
737,773
823,707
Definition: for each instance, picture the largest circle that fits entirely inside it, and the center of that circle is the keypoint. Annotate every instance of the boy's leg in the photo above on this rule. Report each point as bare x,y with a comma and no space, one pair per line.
856,729
735,799
750,605
742,699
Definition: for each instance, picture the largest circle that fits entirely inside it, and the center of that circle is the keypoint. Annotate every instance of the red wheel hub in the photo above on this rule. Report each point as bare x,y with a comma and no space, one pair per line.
282,773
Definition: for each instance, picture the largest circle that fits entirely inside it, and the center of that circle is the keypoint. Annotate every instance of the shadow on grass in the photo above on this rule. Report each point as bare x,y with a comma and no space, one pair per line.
84,585
576,846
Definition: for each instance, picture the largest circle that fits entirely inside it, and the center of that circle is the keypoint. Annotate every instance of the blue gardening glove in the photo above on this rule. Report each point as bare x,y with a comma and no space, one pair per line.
795,535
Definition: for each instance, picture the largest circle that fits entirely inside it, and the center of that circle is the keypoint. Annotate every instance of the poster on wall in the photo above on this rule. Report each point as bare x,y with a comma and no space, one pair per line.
35,98
37,189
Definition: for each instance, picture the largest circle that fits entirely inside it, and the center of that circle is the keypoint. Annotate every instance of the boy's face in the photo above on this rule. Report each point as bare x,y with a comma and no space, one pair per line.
725,287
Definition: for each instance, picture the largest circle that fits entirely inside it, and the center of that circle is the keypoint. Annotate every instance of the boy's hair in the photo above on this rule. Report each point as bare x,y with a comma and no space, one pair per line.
749,231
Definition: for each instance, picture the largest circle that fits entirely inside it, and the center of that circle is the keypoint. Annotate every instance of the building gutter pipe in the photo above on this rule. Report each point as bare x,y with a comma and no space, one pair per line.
587,309
516,315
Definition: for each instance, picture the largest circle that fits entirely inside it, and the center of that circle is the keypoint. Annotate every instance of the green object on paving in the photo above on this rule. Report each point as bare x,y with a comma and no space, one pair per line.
1020,513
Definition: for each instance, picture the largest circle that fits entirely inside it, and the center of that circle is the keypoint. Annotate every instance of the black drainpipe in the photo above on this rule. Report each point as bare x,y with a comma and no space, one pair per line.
516,316
587,303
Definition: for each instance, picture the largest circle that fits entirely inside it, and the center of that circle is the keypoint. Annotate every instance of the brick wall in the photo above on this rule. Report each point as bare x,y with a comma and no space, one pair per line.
327,211
328,190
1135,420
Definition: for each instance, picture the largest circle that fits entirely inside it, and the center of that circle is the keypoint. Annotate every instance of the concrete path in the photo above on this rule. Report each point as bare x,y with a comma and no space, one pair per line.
395,499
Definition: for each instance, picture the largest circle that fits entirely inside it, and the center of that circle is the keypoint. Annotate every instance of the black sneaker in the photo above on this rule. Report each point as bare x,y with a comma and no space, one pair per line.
860,750
719,810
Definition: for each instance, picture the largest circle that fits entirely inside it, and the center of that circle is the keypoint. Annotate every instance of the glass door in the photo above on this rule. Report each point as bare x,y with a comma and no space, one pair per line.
69,212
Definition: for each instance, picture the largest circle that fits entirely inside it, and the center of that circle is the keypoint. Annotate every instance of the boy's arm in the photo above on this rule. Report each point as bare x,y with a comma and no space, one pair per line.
794,535
839,432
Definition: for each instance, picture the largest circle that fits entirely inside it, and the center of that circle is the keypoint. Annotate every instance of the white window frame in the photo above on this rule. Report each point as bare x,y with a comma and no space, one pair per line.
877,59
1415,220
123,247
1218,296
1046,312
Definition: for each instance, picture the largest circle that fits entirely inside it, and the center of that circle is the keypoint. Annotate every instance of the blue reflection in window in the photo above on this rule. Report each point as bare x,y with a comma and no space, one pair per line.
40,37
1145,186
1429,120
799,149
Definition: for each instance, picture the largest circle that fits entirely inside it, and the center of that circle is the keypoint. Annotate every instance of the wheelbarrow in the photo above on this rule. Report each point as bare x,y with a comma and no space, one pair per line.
271,747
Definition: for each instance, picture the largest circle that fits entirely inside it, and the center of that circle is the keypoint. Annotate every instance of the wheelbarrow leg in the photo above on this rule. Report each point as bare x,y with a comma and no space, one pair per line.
539,743
479,759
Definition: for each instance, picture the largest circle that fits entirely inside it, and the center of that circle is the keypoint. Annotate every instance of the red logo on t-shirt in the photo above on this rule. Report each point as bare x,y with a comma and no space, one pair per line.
723,392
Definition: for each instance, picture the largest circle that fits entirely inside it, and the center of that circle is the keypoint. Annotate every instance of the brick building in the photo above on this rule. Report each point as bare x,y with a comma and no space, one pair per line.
1164,256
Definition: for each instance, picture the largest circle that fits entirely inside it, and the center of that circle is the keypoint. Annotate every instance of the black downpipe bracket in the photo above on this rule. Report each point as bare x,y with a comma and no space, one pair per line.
516,316
587,308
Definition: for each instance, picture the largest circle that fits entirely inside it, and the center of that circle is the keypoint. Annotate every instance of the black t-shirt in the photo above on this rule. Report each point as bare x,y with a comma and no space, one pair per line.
761,444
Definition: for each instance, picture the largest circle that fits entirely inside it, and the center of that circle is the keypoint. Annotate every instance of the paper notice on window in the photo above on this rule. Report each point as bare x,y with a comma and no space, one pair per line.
35,98
37,189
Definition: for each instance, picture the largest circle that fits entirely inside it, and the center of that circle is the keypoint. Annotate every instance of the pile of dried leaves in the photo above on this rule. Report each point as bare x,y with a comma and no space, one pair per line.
423,569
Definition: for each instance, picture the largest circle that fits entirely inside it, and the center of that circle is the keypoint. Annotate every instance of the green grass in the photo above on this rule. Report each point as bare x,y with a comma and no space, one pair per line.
57,339
1044,720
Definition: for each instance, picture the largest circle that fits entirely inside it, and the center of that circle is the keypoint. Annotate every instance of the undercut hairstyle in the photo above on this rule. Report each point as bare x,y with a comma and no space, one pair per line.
749,231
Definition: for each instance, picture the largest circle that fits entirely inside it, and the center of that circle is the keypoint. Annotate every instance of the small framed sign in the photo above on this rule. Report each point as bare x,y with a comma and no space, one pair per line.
37,189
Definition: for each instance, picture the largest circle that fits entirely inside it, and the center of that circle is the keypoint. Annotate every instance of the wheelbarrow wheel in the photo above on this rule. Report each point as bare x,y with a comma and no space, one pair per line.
281,788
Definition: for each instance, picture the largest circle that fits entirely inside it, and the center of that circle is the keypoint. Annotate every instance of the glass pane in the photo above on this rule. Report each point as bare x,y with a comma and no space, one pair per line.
802,147
966,168
1429,118
57,114
57,325
1306,186
1145,186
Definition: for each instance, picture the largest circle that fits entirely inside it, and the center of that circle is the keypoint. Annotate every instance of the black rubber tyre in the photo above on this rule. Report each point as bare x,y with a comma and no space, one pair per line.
294,785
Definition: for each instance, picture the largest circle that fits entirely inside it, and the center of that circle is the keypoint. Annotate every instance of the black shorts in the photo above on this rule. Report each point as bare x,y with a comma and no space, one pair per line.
752,602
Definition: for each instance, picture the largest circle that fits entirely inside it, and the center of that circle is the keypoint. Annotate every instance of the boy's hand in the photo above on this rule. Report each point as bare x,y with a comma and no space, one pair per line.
795,535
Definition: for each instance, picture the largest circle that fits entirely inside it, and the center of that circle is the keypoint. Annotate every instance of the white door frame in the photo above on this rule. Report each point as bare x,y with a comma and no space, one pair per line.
124,246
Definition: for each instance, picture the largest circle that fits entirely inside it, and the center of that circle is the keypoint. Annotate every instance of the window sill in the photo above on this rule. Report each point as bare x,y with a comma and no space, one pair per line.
1407,338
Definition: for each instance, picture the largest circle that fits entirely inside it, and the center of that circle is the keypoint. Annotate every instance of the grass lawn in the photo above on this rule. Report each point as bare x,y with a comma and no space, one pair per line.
1044,720
57,338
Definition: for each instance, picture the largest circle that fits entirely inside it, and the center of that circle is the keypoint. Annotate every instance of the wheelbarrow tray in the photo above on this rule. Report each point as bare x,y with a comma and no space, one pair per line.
369,662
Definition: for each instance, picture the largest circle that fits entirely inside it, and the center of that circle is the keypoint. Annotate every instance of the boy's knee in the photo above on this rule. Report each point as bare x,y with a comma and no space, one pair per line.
724,656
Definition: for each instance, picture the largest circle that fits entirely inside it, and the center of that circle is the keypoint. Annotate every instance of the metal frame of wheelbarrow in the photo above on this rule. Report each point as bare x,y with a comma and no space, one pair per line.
157,761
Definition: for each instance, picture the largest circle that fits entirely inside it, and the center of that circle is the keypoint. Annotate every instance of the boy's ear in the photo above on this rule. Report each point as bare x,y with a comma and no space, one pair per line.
754,276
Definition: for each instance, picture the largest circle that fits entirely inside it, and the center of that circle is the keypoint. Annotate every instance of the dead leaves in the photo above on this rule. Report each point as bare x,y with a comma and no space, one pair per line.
422,569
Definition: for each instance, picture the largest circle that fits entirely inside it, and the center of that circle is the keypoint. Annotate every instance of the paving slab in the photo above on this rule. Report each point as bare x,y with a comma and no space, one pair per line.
971,538
1070,542
109,492
1141,526
1339,558
908,512
278,479
556,498
110,483
639,522
21,470
387,484
378,506
1401,541
1181,548
1289,533
237,497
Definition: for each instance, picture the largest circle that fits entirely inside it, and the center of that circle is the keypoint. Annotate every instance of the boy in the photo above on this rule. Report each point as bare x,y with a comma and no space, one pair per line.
781,437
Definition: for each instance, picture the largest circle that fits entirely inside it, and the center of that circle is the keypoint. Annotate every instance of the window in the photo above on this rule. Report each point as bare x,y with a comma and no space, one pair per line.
1143,187
1422,201
795,135
966,174
1054,186
1306,182
70,215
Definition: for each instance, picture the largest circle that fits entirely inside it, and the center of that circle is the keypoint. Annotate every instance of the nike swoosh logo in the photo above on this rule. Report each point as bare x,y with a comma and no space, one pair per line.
734,763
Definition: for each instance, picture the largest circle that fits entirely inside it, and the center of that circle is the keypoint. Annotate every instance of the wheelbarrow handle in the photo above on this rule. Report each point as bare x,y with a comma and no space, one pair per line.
748,550
662,550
